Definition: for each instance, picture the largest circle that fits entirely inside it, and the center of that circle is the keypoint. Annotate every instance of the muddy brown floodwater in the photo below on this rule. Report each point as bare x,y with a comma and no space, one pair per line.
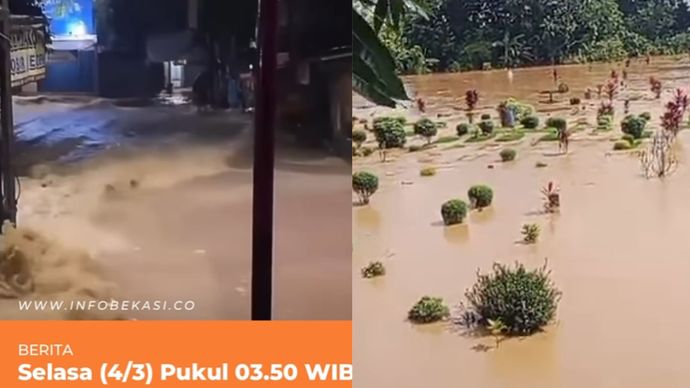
168,218
618,249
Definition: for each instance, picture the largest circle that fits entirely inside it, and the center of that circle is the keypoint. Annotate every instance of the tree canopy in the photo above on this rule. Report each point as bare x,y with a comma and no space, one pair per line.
464,34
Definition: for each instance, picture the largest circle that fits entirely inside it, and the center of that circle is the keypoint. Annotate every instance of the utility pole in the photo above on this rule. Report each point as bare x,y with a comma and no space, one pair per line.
264,154
9,203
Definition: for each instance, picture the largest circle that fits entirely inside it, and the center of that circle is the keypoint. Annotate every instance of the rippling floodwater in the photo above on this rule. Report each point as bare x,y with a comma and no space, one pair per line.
617,250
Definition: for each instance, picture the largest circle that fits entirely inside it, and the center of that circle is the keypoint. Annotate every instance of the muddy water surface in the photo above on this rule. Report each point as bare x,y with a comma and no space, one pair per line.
618,249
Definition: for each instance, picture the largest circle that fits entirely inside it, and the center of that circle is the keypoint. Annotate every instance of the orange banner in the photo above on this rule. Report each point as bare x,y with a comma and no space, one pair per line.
175,354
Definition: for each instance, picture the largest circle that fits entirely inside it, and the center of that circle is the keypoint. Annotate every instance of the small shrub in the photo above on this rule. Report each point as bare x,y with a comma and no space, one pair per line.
463,129
426,129
390,132
486,126
508,154
428,310
621,145
366,151
365,185
428,171
646,115
633,125
575,101
486,116
374,269
453,211
530,122
480,196
557,122
605,123
530,233
629,138
523,300
359,136
563,88
605,109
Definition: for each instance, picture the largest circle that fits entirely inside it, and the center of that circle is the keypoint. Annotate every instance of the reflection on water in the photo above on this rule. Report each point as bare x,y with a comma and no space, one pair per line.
617,249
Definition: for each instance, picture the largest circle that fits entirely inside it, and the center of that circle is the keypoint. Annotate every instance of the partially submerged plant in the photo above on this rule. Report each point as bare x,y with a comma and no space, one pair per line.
611,89
633,126
507,154
471,100
512,300
675,110
659,159
605,109
426,129
428,171
428,310
358,137
530,233
390,132
480,196
453,211
463,129
563,88
373,269
486,126
530,122
552,197
365,185
655,86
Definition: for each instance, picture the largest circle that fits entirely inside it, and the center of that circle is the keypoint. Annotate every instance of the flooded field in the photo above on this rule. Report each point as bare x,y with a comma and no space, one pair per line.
617,248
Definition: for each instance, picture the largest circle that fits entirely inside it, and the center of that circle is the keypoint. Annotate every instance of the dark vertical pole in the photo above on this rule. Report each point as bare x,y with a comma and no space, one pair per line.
6,120
264,152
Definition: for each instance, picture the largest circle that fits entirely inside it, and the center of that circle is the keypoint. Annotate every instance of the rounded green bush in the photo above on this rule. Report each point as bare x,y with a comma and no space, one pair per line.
508,154
522,300
366,151
633,125
463,129
425,128
557,122
621,145
359,136
365,185
646,115
486,126
428,310
390,132
530,122
453,211
480,196
486,116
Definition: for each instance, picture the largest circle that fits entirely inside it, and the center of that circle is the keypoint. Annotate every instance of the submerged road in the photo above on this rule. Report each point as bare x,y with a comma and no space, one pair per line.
182,230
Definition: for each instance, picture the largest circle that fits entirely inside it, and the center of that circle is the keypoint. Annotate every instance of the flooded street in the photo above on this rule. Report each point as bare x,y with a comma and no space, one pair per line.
160,197
617,249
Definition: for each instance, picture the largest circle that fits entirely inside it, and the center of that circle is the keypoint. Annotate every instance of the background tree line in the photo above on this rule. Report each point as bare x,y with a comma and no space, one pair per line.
455,35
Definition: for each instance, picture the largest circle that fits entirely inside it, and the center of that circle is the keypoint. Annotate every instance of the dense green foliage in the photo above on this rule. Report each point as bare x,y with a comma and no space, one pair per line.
426,129
453,211
463,129
507,154
530,122
522,300
633,125
486,126
359,136
480,196
428,310
365,185
462,35
390,132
